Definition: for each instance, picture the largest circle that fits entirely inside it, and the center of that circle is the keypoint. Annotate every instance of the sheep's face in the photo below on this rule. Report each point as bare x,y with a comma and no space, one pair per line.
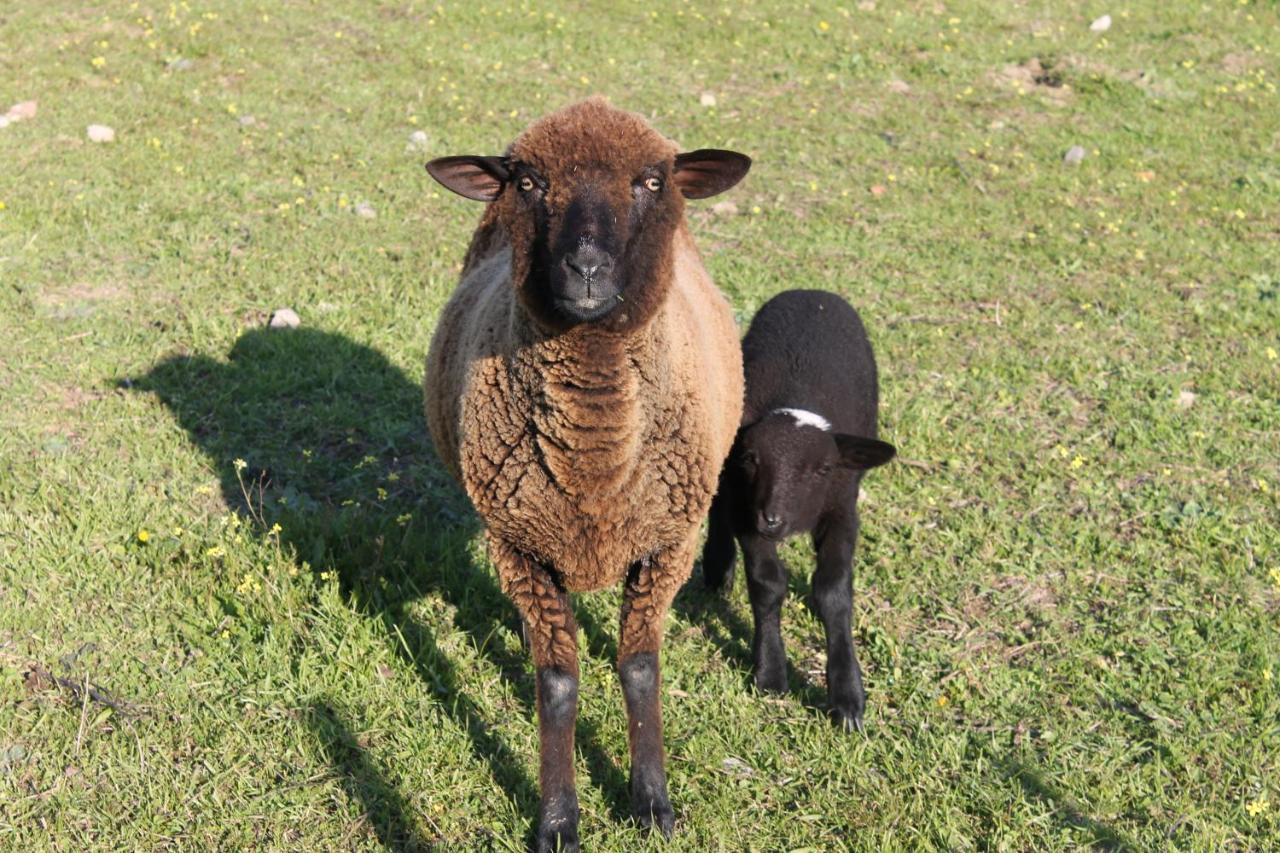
789,460
590,198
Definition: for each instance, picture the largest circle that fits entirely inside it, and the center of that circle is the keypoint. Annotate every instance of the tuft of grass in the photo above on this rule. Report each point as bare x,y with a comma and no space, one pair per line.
244,607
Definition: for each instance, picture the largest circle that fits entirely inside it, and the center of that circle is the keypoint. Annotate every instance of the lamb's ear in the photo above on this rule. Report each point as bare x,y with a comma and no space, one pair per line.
861,453
479,178
709,171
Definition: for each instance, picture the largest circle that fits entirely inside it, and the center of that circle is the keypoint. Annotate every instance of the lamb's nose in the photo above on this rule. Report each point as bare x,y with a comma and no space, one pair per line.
769,521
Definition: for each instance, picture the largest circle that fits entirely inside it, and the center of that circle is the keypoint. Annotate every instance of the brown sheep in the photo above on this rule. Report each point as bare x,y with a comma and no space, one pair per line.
584,385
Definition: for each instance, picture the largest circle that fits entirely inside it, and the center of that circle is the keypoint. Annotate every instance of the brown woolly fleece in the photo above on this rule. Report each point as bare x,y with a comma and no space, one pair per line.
590,449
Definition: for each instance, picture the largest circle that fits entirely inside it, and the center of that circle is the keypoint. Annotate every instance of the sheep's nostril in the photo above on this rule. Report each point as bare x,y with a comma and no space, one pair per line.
770,521
588,262
584,268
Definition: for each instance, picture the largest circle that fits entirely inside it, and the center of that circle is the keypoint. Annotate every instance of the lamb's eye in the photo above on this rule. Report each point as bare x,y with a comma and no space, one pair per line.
823,470
653,184
749,460
526,184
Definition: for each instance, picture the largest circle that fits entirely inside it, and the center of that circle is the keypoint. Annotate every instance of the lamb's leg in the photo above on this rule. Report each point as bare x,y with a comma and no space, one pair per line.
553,640
767,585
720,552
834,542
651,586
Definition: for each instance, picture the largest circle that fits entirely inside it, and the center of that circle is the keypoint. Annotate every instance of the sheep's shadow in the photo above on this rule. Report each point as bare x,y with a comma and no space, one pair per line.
1032,781
335,450
363,781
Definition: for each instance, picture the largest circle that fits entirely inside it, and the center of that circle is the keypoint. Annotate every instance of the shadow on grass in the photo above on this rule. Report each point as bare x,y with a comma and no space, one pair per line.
383,805
1066,810
336,452
714,612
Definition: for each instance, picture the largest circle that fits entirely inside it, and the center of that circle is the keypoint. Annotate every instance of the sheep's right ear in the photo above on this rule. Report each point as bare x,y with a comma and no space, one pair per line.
478,178
861,453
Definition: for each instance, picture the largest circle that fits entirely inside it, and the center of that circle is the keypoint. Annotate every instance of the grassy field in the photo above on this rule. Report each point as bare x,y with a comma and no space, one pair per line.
242,606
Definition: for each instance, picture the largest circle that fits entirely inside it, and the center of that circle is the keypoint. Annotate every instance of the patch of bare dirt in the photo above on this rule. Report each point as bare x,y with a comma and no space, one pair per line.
1033,77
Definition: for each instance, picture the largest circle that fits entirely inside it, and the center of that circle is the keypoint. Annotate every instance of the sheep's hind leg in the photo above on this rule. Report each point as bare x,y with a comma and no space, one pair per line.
767,586
553,641
834,542
651,586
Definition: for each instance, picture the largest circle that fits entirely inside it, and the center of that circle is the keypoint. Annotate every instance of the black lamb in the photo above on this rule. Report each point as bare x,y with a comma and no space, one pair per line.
807,436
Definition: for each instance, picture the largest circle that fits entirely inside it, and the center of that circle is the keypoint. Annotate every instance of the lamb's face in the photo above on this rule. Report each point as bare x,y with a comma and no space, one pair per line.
786,466
789,460
590,197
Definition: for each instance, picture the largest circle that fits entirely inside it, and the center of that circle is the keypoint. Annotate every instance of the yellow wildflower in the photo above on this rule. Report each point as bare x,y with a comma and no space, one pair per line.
98,61
143,536
1258,806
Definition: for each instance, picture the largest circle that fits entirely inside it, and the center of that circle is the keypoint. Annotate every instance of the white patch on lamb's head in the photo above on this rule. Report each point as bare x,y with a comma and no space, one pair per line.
804,417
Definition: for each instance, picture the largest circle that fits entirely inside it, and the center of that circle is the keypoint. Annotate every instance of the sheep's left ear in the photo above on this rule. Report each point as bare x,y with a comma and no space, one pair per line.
709,171
478,178
861,453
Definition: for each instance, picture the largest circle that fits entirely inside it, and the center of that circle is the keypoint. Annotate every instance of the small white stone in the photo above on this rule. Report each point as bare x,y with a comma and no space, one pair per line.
1074,155
1101,25
724,208
1186,399
284,318
247,121
902,87
418,141
707,99
365,210
22,111
100,133
4,121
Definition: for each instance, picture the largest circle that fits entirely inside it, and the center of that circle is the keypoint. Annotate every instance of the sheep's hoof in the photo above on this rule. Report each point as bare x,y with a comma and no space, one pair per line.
657,815
558,839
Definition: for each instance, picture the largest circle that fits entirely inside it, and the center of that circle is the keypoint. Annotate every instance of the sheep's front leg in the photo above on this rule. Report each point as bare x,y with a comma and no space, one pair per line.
651,586
767,587
553,641
834,542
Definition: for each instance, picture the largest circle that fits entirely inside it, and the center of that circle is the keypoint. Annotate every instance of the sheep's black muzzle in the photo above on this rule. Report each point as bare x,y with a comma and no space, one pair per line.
586,275
584,285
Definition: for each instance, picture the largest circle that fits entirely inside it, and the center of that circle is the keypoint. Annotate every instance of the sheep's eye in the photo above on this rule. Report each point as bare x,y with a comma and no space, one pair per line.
526,184
749,460
653,184
823,470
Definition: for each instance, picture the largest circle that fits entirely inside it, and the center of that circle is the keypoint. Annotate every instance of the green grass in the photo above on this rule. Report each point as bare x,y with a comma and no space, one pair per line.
1067,593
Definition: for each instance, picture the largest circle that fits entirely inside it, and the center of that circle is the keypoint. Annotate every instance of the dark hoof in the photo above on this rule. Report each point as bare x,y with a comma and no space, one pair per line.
847,712
848,721
772,680
562,838
657,816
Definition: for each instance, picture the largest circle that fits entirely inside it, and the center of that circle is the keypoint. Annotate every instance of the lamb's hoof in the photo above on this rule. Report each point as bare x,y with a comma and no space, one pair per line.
847,721
771,679
558,839
657,815
847,713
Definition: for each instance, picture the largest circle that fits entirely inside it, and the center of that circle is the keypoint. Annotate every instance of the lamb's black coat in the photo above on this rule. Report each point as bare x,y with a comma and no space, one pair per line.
808,361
